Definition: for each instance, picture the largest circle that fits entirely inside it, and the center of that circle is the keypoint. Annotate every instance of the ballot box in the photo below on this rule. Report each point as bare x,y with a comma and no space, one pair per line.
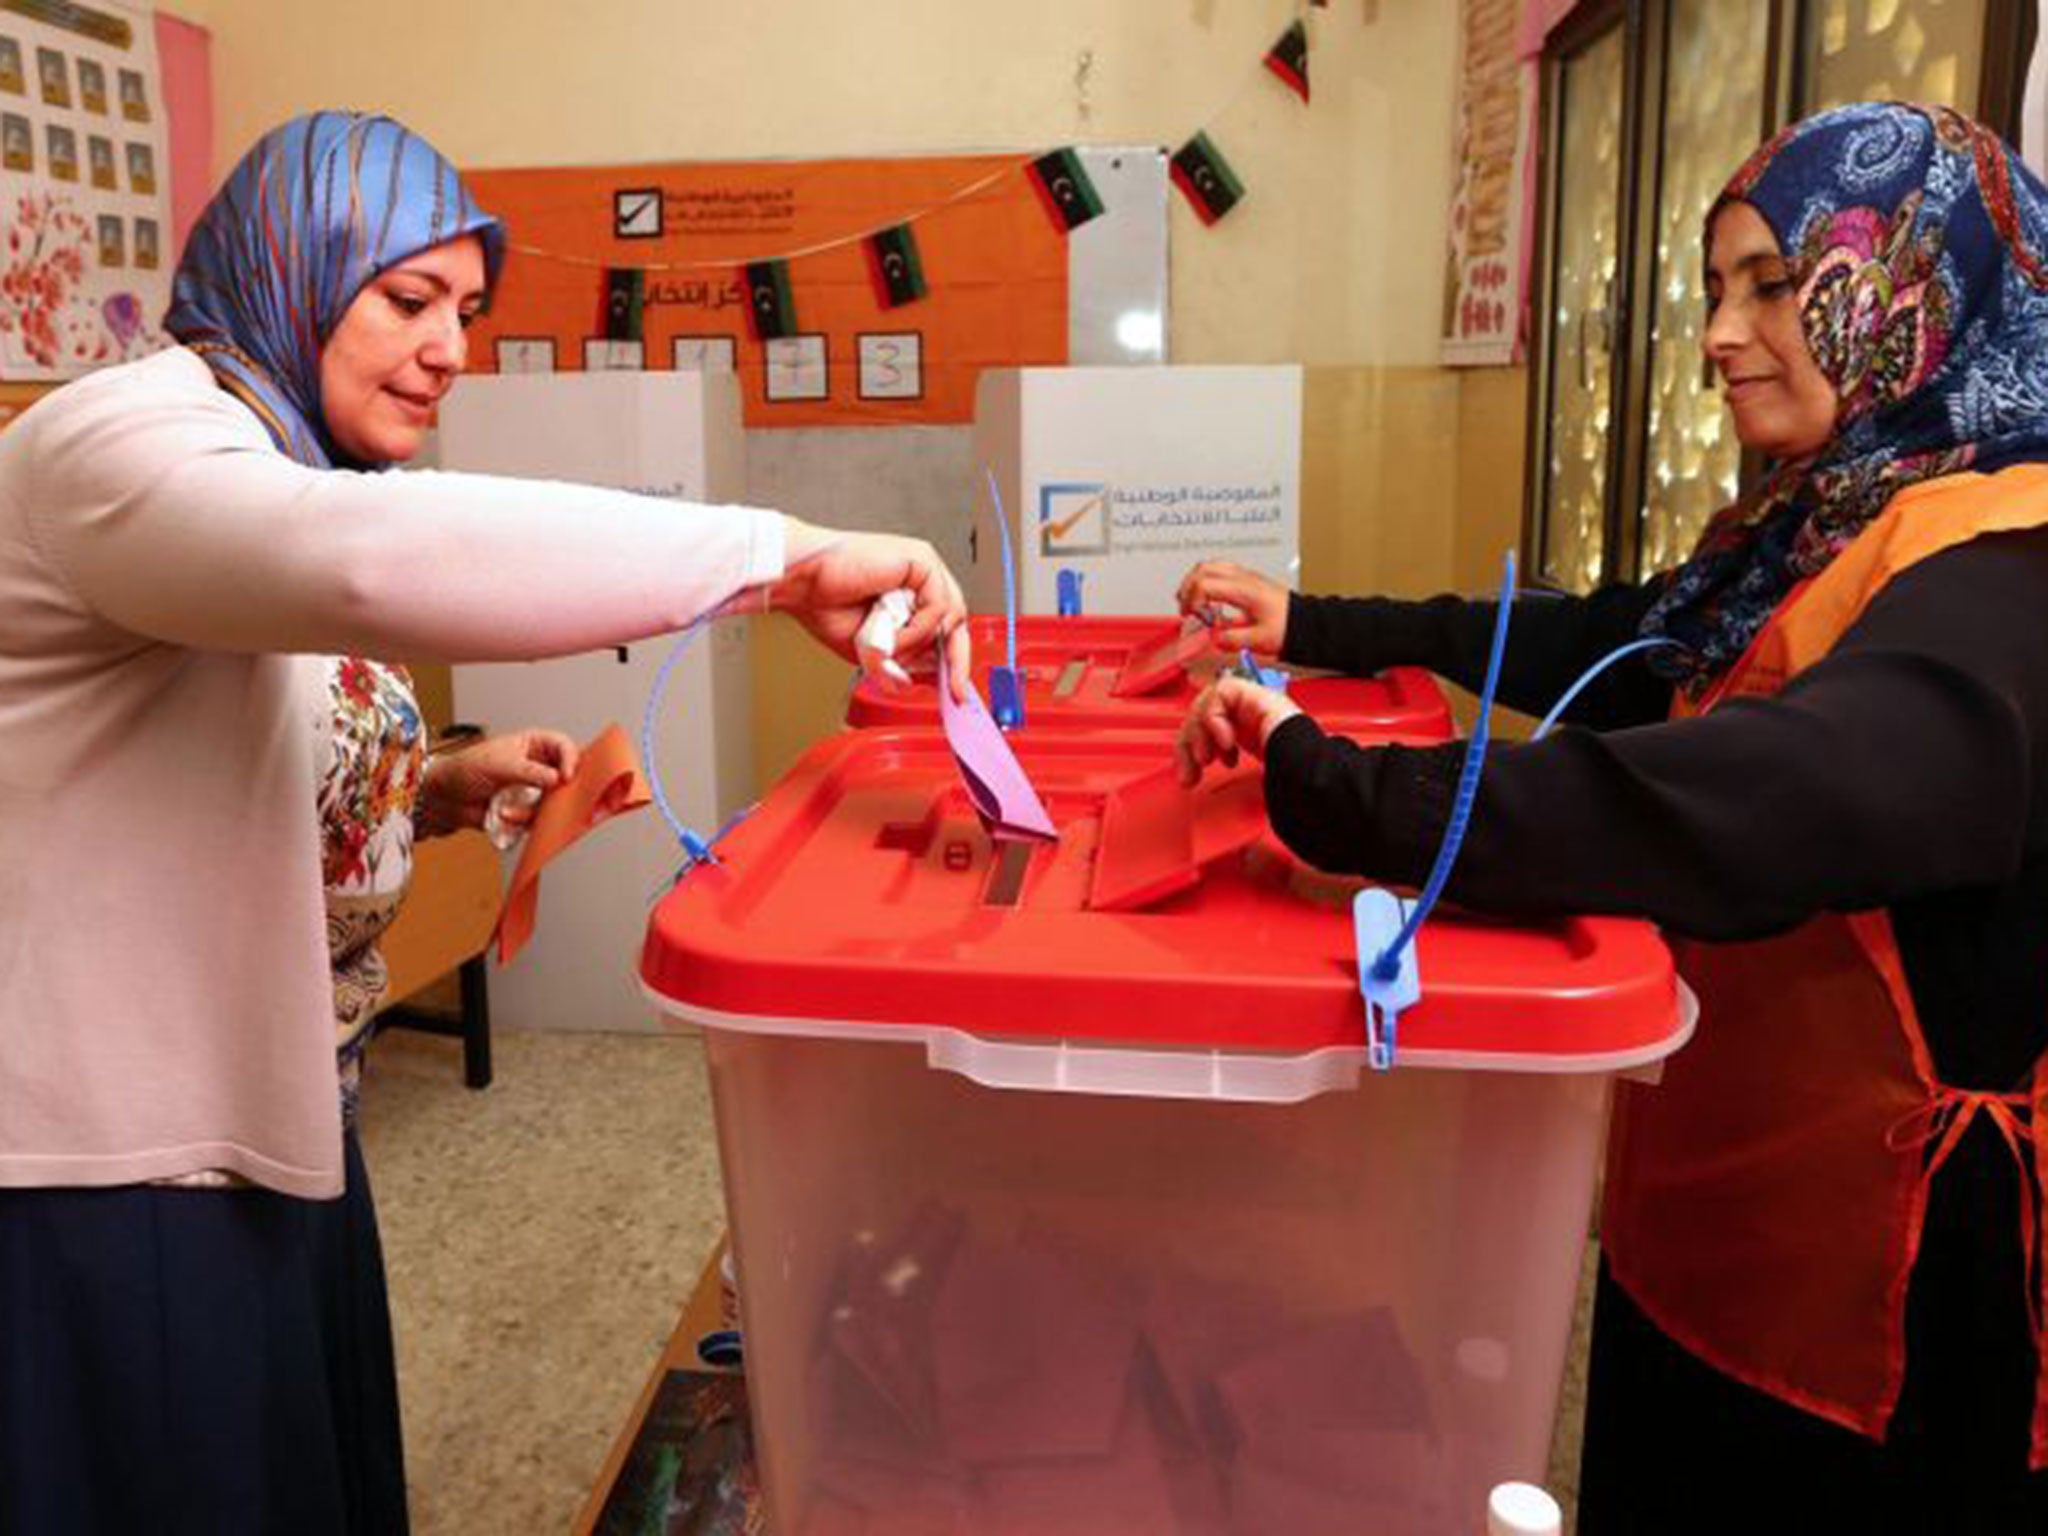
1135,672
1063,1195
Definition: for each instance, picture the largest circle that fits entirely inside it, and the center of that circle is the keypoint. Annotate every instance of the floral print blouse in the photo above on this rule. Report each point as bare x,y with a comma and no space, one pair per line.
373,755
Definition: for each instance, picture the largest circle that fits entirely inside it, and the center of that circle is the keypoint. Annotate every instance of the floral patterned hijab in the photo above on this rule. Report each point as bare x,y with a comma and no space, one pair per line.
1919,246
319,207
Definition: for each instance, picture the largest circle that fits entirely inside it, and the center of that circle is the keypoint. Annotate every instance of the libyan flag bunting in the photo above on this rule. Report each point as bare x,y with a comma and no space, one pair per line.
893,263
1201,172
1288,59
1065,188
771,312
622,303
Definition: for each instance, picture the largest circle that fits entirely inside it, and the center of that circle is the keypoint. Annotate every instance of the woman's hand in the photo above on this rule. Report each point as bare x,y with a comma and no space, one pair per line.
833,578
458,786
1229,716
1262,602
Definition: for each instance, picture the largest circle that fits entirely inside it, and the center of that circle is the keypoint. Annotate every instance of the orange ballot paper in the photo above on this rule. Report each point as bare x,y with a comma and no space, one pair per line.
607,782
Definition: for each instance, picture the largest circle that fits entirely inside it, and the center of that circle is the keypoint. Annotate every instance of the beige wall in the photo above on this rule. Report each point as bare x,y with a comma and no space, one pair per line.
1337,257
1411,473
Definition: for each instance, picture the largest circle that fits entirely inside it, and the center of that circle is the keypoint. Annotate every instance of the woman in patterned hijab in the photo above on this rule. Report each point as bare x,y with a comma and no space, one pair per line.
1822,1298
1916,243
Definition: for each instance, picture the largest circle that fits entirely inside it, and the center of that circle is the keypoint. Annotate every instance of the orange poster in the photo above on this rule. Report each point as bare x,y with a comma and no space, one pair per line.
993,263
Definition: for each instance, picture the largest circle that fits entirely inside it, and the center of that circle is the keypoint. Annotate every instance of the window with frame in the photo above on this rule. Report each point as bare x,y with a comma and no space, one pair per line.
1648,107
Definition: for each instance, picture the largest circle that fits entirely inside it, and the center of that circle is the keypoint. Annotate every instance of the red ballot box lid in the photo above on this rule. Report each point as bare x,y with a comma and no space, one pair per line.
862,898
1072,668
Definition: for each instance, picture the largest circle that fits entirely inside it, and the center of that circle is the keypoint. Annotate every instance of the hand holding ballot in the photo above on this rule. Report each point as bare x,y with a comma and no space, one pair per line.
1229,716
1260,603
459,788
832,578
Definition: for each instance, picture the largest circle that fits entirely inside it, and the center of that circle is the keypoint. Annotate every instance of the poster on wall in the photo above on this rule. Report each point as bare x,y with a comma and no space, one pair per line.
842,292
1483,286
84,187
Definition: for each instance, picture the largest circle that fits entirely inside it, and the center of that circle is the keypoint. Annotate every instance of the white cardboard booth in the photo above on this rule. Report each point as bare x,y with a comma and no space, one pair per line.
1128,476
665,434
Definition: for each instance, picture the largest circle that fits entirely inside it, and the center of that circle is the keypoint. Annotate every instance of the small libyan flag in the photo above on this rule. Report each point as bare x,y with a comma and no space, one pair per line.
622,303
1288,59
1200,171
894,265
771,312
1065,188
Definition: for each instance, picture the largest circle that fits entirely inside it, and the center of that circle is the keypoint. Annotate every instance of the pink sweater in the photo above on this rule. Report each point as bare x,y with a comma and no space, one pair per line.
167,583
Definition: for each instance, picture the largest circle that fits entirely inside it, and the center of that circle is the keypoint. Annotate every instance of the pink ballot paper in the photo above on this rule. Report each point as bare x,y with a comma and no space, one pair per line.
1003,798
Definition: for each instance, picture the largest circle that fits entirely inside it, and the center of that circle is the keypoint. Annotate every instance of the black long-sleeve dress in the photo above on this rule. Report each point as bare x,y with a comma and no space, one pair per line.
1908,770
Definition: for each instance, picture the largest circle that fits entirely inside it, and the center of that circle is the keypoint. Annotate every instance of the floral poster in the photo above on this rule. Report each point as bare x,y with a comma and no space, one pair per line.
84,187
1483,291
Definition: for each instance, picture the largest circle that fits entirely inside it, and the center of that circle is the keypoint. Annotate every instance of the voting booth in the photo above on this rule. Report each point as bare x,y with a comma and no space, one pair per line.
1125,477
663,434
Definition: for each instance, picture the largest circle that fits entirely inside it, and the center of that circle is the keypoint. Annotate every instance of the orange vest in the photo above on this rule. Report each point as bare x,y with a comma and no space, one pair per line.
1765,1200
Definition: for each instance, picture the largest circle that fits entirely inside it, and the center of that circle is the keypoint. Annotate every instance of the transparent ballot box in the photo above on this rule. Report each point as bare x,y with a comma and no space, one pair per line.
1063,1197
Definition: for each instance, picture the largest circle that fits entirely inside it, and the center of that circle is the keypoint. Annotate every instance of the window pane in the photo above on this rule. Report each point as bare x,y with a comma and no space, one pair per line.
1893,50
1713,116
1581,324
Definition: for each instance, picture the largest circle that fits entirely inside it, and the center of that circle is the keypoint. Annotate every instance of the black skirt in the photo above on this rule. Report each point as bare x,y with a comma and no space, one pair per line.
1674,1446
196,1360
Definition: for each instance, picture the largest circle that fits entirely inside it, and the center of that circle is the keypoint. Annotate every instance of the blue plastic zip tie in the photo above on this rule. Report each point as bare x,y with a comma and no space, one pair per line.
1392,981
1068,583
701,850
1005,687
1005,698
1557,710
696,850
1249,669
1376,919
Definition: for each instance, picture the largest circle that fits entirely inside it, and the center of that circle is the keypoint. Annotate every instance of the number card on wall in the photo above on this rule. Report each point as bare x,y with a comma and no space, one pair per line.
84,201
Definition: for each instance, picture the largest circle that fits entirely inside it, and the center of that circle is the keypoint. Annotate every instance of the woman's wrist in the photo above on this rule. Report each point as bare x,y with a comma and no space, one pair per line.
429,807
801,544
1282,711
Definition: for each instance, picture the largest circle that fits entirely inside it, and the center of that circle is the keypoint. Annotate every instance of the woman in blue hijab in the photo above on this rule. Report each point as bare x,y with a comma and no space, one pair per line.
1821,1296
213,780
312,213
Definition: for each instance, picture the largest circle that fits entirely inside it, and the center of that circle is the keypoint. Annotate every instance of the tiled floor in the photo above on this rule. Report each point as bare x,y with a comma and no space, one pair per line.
540,1238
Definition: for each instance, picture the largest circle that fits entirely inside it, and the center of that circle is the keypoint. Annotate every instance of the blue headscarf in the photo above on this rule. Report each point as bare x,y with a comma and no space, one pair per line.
1919,246
319,207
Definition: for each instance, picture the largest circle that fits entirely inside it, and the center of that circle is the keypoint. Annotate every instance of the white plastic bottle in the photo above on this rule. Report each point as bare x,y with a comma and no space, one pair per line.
1522,1509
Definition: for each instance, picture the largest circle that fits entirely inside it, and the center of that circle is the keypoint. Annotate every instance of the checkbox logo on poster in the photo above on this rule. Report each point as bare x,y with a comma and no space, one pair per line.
636,213
1073,519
